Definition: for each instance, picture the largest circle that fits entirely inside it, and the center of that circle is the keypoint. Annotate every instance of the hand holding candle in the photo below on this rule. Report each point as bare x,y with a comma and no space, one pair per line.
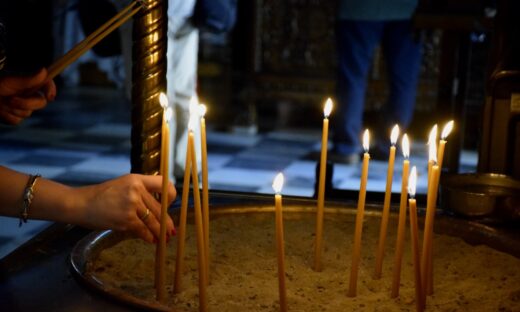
277,187
321,186
414,233
356,251
386,204
402,220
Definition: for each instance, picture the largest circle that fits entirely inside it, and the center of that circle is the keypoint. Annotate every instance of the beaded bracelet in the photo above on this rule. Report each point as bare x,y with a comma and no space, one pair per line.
28,194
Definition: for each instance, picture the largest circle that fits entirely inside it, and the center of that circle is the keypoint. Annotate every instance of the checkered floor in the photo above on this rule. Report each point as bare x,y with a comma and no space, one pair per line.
84,138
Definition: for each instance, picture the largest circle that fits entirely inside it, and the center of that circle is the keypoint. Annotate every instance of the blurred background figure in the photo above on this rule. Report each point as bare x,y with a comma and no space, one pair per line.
363,26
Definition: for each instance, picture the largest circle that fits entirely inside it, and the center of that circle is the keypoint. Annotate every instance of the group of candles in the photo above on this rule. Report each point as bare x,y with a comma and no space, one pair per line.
422,263
201,211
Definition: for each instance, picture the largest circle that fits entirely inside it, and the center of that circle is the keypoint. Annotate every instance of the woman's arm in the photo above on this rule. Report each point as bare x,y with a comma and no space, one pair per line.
120,204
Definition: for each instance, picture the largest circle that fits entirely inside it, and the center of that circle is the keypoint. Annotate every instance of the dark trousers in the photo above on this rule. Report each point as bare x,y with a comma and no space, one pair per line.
357,41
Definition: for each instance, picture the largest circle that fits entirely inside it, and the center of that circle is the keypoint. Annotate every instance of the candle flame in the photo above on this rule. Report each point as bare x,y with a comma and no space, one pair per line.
412,182
168,113
278,183
432,143
447,130
366,138
163,100
328,108
406,146
202,110
394,134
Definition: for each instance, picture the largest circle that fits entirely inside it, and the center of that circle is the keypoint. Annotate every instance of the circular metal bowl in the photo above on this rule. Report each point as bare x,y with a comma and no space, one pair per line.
89,247
481,195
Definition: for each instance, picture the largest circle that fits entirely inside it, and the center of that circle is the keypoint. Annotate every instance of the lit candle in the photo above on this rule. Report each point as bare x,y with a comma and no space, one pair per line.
398,257
321,186
386,204
431,200
356,253
203,274
181,235
432,138
414,233
277,187
160,260
205,192
444,135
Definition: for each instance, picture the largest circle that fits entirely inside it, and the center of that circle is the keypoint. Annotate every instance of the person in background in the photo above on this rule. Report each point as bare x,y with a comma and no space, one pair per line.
123,204
362,26
181,79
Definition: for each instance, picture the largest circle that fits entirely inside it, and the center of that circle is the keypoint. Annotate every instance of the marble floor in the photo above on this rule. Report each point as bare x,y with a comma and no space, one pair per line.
84,137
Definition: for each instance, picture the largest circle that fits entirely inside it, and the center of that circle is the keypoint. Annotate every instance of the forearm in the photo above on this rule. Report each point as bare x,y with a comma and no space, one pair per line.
51,201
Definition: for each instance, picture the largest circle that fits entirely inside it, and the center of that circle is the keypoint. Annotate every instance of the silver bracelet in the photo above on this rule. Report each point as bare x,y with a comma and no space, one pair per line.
28,194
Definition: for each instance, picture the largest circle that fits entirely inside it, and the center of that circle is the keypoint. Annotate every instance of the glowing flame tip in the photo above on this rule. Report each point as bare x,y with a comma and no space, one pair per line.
163,100
328,108
406,146
168,113
366,140
202,110
278,183
394,134
447,130
412,182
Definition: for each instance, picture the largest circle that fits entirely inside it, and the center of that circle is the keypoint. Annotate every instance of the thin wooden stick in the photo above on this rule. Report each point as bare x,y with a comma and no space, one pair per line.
93,35
86,44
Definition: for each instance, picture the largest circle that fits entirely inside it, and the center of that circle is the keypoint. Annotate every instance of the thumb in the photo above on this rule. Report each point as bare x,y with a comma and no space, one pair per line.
14,85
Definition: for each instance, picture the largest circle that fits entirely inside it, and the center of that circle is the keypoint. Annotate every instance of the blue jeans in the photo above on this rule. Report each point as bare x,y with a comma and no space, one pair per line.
356,43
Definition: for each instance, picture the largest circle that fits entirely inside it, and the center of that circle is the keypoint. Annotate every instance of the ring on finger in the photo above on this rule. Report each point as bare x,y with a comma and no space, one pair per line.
146,214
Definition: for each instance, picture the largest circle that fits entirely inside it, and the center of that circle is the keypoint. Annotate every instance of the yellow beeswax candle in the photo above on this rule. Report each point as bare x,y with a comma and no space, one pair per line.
356,253
398,256
386,204
277,187
321,186
414,233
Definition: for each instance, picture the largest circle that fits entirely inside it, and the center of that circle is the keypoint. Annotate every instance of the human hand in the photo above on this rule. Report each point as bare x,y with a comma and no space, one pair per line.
121,204
20,96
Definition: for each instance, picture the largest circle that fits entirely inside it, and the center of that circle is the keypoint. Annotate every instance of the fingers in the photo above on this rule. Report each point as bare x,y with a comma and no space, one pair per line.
13,85
9,118
49,90
155,208
30,103
154,185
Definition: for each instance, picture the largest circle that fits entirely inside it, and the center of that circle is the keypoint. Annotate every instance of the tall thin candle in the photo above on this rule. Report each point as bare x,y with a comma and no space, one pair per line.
398,256
181,238
277,187
356,253
205,190
430,215
203,274
321,186
160,260
414,233
386,204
